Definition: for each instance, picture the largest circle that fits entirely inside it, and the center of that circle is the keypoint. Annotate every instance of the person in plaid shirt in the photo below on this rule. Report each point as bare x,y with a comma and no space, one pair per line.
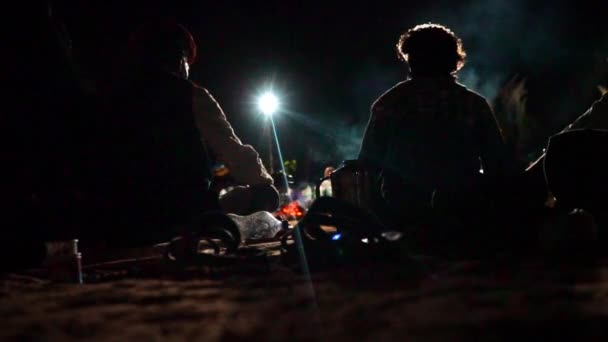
433,143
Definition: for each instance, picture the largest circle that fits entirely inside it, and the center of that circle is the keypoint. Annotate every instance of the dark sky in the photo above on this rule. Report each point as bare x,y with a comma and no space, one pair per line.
329,60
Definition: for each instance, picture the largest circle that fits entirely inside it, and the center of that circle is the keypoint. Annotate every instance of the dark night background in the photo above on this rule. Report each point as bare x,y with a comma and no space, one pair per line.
328,61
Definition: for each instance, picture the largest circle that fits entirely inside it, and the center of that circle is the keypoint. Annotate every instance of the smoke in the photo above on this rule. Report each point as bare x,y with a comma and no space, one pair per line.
370,83
349,142
334,140
502,39
488,86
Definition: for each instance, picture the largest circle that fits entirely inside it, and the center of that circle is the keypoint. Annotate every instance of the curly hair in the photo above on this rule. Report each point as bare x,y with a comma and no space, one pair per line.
431,49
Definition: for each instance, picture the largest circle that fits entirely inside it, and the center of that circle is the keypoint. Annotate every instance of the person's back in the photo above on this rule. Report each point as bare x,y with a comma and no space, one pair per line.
573,167
161,167
153,170
435,130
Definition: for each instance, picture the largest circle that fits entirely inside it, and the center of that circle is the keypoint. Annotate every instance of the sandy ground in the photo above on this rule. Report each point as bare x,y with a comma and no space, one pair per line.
459,301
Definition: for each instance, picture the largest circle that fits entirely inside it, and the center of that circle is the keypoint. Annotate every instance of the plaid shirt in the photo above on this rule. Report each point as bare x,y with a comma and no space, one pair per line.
429,132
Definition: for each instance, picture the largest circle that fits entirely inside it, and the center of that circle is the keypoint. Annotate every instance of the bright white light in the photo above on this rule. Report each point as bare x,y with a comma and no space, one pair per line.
268,103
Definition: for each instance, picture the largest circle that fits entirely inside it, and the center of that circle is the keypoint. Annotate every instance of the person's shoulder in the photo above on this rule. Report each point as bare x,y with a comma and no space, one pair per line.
198,88
200,91
472,96
595,117
602,102
391,96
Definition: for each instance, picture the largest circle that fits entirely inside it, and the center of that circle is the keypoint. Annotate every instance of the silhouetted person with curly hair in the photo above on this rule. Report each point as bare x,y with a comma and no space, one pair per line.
433,143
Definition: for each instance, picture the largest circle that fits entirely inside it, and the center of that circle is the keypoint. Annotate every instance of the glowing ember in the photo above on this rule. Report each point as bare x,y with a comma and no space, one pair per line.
292,210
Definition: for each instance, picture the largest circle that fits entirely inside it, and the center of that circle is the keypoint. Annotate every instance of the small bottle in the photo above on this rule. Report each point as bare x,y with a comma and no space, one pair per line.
64,262
260,225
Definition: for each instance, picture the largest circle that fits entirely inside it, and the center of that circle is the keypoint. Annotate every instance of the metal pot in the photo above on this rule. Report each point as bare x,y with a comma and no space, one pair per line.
352,183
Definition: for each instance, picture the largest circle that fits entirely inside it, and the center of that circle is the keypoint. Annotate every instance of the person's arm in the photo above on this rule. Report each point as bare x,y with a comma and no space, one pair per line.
595,117
217,134
495,156
374,145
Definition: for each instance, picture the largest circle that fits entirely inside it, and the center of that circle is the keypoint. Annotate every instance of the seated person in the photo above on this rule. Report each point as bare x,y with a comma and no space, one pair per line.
433,142
572,164
164,133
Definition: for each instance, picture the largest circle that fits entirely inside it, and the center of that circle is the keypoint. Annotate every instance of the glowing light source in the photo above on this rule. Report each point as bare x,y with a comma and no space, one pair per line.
268,103
293,210
336,237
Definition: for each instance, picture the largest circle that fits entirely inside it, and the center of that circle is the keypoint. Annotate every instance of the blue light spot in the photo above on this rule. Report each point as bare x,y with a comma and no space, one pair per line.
336,237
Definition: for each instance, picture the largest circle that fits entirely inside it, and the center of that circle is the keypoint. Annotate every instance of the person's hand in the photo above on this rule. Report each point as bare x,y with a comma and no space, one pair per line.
244,200
219,183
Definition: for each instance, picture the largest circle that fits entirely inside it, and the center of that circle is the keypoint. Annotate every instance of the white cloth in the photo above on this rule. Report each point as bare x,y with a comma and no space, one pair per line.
243,161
